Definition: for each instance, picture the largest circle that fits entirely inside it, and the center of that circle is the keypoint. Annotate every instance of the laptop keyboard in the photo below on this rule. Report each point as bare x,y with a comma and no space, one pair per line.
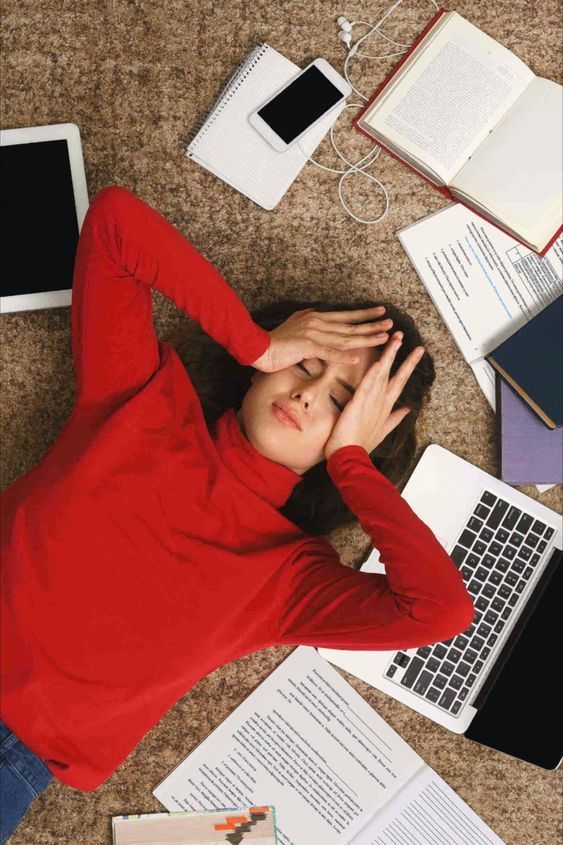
497,553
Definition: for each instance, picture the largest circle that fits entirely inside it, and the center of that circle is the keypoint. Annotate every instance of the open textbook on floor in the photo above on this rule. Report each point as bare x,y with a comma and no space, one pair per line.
473,119
307,743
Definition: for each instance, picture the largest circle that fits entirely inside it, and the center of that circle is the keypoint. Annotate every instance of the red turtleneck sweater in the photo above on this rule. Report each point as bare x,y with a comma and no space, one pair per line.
145,550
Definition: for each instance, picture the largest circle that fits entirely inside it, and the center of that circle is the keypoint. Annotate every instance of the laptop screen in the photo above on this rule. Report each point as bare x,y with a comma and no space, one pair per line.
521,715
39,227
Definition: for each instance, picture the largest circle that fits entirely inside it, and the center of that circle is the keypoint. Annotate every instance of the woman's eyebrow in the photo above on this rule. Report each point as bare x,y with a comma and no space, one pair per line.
341,381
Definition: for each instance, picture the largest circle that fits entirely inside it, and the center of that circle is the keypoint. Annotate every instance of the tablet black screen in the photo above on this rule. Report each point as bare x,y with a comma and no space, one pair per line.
521,715
39,227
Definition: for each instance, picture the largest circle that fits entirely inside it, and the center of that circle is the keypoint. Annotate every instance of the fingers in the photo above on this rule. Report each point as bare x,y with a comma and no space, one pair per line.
344,325
347,316
332,331
352,330
405,371
346,336
394,419
380,369
385,362
347,341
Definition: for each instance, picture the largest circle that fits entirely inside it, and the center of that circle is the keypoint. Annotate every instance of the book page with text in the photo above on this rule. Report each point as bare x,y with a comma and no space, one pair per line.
305,742
451,98
516,174
426,811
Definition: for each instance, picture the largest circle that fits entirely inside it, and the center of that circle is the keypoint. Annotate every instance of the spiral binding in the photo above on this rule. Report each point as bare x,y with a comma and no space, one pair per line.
234,83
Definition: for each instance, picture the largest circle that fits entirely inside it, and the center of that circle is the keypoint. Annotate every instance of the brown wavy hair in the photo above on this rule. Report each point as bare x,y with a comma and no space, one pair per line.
315,504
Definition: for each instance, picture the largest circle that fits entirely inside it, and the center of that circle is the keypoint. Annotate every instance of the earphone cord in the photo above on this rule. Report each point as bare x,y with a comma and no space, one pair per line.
363,163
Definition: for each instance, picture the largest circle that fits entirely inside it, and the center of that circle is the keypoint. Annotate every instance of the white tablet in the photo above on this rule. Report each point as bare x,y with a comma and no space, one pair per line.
44,200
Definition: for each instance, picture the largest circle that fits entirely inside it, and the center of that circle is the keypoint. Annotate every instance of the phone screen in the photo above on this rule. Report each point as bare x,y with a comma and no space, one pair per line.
300,104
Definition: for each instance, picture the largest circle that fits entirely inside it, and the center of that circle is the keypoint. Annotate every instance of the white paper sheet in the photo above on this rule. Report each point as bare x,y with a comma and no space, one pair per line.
484,283
429,811
305,742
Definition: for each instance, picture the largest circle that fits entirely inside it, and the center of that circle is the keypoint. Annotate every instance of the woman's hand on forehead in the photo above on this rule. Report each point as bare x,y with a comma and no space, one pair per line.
327,335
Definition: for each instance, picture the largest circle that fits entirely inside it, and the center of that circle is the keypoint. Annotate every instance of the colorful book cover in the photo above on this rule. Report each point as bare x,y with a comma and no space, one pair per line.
249,826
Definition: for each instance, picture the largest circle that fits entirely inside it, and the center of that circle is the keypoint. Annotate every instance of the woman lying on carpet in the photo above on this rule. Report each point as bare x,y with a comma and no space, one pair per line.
151,544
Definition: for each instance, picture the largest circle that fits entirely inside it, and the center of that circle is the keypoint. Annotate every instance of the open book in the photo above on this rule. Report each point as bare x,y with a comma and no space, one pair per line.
306,742
471,117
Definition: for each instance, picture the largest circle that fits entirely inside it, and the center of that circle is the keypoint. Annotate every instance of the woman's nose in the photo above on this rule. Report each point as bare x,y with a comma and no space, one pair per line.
306,392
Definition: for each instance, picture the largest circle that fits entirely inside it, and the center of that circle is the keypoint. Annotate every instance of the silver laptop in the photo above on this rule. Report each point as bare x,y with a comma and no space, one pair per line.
499,681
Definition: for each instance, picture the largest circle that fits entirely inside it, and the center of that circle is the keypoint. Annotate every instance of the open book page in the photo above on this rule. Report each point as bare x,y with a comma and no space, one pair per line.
426,811
516,174
484,283
304,742
450,99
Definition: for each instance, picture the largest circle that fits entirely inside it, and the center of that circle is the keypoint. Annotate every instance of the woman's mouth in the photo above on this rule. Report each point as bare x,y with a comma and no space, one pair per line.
284,417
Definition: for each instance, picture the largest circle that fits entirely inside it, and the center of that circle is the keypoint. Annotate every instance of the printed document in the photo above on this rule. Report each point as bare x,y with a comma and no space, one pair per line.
305,742
485,284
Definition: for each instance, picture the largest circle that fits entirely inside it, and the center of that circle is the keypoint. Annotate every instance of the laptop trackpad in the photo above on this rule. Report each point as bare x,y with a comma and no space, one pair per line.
521,712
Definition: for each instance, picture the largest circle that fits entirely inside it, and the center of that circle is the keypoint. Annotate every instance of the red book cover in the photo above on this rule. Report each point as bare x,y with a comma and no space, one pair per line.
441,188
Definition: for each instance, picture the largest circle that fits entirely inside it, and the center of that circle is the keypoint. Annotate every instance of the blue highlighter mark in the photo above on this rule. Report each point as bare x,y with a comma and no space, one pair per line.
488,278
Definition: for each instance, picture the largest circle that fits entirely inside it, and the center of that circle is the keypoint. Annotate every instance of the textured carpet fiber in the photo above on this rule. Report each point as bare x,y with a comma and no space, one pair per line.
136,76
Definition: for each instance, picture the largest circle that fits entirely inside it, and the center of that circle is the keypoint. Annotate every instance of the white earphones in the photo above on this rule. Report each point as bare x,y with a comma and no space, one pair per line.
345,35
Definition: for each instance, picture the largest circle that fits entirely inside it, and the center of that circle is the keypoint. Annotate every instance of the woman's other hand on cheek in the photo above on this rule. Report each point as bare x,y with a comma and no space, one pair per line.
369,417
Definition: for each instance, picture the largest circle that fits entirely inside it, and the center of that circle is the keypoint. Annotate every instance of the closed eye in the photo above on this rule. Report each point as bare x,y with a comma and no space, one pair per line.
338,405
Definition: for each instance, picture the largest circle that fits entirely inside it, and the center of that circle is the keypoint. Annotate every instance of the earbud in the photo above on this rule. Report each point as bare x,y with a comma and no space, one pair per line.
345,34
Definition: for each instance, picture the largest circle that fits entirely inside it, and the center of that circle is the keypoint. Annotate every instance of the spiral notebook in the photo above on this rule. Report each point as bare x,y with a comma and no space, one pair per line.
228,145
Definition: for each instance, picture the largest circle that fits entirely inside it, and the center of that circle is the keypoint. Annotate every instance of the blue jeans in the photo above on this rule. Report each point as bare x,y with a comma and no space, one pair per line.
23,776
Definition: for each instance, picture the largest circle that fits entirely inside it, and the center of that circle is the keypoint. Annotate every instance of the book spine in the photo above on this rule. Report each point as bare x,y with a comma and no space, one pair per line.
233,84
520,390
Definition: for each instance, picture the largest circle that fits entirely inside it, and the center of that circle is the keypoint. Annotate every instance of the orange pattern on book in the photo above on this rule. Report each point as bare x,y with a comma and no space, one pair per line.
232,822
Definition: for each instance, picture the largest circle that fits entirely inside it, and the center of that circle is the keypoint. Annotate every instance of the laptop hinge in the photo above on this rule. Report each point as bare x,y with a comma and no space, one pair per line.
506,650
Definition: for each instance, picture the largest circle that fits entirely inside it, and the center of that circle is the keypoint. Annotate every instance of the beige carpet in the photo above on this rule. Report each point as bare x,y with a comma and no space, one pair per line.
135,76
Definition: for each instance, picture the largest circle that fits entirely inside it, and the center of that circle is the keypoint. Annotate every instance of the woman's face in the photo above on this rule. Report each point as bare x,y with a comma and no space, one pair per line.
315,393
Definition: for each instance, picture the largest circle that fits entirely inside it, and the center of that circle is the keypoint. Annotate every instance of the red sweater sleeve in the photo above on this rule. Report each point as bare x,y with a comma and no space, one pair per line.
125,249
420,600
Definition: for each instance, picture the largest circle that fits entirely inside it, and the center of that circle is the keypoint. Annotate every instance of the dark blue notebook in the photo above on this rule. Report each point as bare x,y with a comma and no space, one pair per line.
531,361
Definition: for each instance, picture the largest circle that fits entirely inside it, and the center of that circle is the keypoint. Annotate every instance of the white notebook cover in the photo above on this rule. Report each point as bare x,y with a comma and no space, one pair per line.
228,145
